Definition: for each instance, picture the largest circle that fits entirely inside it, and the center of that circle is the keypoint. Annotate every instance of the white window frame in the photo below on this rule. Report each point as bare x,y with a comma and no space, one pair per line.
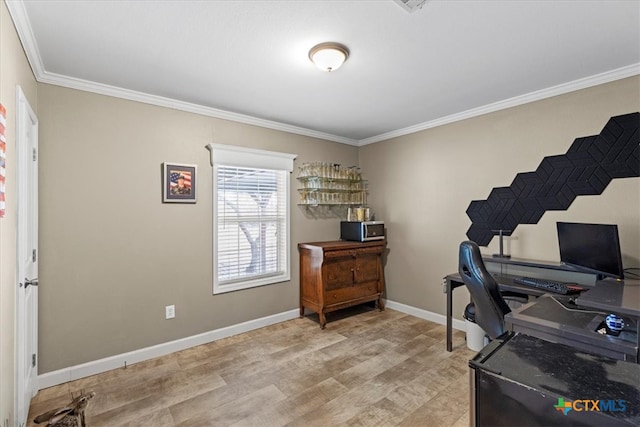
227,155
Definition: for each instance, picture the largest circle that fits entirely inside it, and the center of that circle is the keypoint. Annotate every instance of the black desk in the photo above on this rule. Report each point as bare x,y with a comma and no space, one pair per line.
505,282
614,297
554,319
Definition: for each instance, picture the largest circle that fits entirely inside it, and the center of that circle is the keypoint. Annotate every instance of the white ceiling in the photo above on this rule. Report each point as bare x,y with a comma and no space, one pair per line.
247,60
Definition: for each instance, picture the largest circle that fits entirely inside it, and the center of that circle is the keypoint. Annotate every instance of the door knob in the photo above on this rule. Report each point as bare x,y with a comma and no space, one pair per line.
32,282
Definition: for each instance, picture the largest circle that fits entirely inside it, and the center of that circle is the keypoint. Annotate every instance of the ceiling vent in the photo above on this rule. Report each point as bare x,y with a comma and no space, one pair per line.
411,5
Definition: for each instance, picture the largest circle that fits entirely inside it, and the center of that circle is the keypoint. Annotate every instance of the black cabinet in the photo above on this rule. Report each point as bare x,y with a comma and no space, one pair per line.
523,380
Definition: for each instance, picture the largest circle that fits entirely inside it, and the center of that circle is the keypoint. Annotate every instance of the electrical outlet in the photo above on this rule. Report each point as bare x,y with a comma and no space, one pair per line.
170,312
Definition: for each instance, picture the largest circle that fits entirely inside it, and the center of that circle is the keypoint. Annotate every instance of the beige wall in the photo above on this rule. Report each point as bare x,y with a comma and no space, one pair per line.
14,70
113,255
422,184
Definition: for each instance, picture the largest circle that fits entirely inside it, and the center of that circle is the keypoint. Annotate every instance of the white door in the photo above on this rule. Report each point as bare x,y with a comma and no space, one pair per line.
27,258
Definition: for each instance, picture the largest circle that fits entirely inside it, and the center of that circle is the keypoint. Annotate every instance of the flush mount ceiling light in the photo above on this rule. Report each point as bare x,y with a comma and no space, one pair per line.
328,56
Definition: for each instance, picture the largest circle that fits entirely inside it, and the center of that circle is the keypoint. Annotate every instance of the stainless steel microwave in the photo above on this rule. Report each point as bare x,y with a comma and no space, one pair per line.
361,231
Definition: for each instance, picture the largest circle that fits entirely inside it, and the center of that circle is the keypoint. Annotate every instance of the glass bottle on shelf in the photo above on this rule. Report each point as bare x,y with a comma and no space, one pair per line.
324,183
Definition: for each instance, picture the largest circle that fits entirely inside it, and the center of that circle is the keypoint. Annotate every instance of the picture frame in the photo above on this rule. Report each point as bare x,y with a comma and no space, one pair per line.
179,183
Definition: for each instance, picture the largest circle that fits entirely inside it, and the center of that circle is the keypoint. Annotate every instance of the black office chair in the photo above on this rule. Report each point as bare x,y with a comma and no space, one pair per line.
488,306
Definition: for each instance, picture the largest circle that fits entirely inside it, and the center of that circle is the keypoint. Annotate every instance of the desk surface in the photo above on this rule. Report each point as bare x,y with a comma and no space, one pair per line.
505,283
613,296
525,262
554,319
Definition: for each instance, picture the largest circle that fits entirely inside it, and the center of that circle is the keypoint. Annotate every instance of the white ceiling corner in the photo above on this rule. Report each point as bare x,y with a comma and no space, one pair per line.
246,61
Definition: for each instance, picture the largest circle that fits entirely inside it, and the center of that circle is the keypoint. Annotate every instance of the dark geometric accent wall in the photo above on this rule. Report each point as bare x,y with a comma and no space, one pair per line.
587,168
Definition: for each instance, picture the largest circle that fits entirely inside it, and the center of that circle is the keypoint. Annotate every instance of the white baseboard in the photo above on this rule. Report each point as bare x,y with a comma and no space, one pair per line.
72,373
61,376
426,315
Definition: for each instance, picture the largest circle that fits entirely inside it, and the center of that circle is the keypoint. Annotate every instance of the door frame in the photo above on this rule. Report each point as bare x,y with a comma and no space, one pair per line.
26,120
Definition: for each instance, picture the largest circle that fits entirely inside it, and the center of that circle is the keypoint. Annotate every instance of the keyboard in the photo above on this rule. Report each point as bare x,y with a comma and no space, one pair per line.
548,285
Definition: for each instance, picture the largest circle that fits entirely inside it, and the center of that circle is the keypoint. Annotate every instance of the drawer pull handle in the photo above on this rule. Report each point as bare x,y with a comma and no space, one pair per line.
335,296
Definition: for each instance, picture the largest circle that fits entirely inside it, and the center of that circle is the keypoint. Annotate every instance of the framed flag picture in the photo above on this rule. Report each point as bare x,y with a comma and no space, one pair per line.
178,183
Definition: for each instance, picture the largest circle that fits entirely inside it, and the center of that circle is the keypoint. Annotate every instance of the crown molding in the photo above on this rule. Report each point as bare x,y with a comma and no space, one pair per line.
131,95
561,89
23,27
99,88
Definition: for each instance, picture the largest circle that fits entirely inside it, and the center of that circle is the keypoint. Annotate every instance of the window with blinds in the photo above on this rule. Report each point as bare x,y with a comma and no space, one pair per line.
251,226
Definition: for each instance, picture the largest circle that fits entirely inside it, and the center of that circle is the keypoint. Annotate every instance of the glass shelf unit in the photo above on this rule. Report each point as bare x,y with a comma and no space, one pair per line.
317,190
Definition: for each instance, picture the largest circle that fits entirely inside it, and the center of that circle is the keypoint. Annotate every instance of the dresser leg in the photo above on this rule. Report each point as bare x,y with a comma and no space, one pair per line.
380,304
323,320
301,311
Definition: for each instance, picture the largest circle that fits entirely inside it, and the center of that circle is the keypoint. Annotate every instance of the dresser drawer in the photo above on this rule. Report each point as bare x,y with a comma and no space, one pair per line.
353,292
348,253
372,250
353,253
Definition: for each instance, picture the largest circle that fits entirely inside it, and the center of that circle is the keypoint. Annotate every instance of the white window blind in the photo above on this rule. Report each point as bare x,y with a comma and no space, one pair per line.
251,224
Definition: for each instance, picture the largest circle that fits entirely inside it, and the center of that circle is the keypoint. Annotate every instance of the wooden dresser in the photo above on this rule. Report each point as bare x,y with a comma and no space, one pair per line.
339,274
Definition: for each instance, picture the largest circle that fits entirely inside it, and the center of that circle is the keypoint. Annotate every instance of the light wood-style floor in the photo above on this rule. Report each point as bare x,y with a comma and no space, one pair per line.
367,368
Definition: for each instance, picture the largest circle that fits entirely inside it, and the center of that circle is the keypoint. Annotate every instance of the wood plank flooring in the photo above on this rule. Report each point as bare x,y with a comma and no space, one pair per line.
367,368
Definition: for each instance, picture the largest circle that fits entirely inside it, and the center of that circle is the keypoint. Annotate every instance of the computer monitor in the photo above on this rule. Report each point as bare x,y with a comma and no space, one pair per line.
593,248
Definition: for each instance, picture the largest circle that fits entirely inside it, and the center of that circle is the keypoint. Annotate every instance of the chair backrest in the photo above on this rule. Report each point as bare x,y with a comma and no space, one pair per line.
490,307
